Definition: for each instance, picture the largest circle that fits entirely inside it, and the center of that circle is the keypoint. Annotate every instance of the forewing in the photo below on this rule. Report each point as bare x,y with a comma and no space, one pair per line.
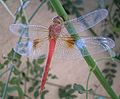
87,21
31,31
38,39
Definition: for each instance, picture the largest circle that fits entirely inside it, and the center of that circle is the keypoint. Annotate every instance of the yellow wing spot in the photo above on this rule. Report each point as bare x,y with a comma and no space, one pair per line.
69,42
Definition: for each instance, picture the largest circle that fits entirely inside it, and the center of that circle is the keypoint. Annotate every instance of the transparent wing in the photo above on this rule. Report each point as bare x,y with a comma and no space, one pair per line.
68,49
31,31
32,49
38,40
87,21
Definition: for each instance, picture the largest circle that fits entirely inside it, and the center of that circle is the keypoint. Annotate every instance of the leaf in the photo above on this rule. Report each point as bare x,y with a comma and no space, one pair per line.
13,53
41,71
71,91
79,88
16,71
6,62
106,70
1,66
62,92
23,20
36,93
67,92
35,83
31,89
20,92
44,93
32,71
41,59
54,77
34,62
113,65
115,29
18,89
14,81
113,70
36,68
109,75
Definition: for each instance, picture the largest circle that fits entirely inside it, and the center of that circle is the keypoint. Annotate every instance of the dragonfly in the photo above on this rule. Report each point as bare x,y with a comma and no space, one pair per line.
56,41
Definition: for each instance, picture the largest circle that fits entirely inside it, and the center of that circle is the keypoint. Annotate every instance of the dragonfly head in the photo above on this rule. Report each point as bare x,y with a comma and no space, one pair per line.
57,20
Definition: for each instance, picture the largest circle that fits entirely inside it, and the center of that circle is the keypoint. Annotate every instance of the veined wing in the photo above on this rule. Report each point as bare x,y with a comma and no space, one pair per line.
38,39
87,21
67,48
29,30
32,49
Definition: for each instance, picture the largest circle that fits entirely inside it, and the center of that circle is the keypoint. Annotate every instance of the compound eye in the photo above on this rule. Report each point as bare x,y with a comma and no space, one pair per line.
57,19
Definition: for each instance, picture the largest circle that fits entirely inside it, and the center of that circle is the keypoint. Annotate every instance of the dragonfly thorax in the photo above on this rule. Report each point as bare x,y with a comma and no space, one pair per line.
55,28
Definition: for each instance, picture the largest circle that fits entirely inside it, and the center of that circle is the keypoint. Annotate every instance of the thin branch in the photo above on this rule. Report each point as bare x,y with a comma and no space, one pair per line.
24,12
34,13
6,86
88,83
49,83
6,7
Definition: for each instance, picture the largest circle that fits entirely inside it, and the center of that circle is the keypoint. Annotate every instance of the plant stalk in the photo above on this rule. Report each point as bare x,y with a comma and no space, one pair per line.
89,60
6,86
34,13
6,7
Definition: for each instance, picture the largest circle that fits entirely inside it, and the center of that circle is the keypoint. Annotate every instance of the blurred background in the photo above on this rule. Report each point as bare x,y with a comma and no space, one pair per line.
67,79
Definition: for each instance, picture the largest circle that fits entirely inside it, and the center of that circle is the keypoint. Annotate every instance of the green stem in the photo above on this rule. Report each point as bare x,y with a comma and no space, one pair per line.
88,83
24,12
6,86
109,15
89,60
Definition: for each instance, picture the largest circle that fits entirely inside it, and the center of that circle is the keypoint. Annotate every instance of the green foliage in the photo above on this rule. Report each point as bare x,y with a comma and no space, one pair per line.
13,57
112,29
11,89
1,66
110,71
70,6
44,93
36,93
116,18
79,88
14,81
67,92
